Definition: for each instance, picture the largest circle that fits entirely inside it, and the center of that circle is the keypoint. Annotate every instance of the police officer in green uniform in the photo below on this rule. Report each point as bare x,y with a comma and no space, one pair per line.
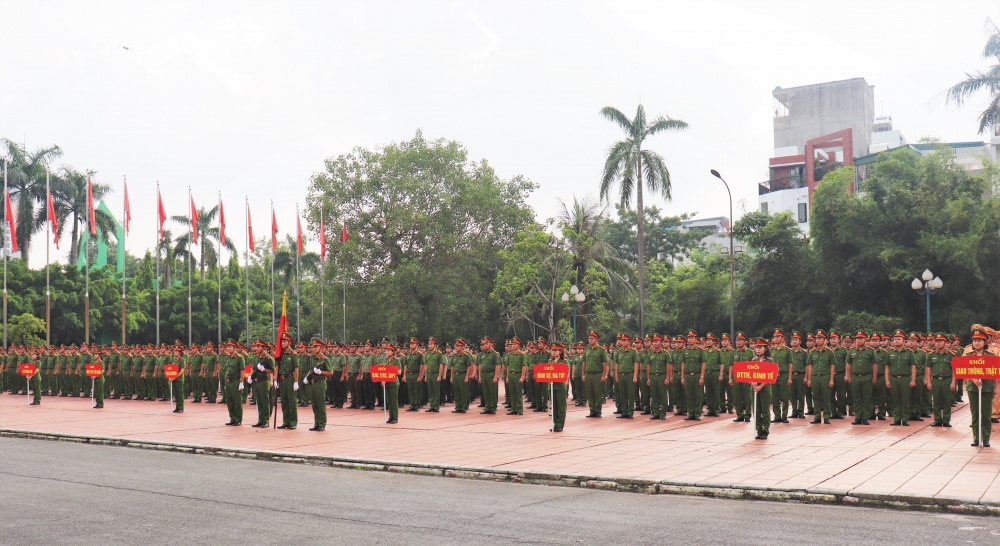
178,387
762,419
288,383
260,381
659,371
838,394
595,369
819,377
413,368
392,387
318,370
488,373
861,376
879,392
514,363
726,391
559,389
900,377
541,356
912,344
781,391
940,382
742,392
980,389
460,363
626,360
643,346
434,370
693,376
713,375
678,399
230,369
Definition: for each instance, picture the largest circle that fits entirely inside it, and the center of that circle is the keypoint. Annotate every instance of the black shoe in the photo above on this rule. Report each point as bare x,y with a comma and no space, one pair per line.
616,412
775,420
906,423
557,430
994,421
810,412
713,414
682,413
697,417
229,424
738,420
391,422
986,443
936,424
855,422
921,419
282,427
826,421
175,411
647,412
730,410
851,414
864,421
925,415
763,436
815,422
784,421
837,417
880,418
196,401
947,425
259,425
758,437
975,443
654,418
894,424
622,417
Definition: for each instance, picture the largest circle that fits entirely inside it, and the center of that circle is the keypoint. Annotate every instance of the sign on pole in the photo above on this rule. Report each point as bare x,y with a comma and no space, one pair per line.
551,373
170,372
976,367
26,370
384,373
93,371
755,372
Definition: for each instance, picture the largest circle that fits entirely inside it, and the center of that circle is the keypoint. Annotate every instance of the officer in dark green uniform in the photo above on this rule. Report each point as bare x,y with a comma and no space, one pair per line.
413,367
392,387
559,389
742,392
260,381
912,344
862,374
677,397
693,376
230,370
288,383
879,392
626,360
318,371
900,377
659,371
460,363
762,420
434,370
838,393
514,364
781,391
488,374
819,377
980,390
726,392
595,369
713,379
178,383
643,346
938,379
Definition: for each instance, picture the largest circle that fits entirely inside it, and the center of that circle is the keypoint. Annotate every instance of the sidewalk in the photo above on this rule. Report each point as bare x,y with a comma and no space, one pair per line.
877,464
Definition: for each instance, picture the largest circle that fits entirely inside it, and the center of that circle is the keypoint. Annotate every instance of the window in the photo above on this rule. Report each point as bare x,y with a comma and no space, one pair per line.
763,207
803,213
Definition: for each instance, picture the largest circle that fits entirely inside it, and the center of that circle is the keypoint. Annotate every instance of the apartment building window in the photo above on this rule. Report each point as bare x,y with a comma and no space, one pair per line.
763,207
803,213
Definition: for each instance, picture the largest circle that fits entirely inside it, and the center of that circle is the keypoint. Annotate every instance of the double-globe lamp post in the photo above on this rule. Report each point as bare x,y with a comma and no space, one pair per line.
929,285
577,297
732,259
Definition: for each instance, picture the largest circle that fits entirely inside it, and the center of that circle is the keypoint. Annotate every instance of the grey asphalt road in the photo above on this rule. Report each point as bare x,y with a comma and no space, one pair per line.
61,493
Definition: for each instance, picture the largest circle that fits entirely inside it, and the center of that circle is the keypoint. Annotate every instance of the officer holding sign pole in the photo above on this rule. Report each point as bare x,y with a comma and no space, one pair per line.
762,393
390,389
981,424
558,390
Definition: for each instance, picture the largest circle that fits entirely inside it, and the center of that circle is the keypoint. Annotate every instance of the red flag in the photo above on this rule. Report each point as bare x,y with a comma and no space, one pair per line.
194,222
274,233
128,210
343,235
53,221
90,208
282,325
322,239
161,214
250,231
298,233
11,224
222,224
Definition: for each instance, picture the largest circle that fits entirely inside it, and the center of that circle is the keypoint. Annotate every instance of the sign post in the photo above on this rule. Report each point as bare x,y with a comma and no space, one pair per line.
977,367
755,372
27,371
551,374
170,372
384,373
93,371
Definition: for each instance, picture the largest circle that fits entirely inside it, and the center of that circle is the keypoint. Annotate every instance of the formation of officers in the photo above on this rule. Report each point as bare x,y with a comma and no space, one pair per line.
826,375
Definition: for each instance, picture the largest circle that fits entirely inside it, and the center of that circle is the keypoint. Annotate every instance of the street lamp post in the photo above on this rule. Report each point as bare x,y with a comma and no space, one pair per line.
577,297
929,285
732,259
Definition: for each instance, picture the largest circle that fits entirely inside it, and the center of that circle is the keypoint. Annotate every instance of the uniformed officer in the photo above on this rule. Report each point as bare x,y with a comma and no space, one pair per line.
488,374
318,371
693,376
434,370
677,398
762,420
178,382
940,382
900,377
460,363
595,369
810,345
659,372
412,372
742,392
713,377
819,377
392,387
726,392
980,393
861,375
288,383
260,381
838,393
879,393
781,391
626,361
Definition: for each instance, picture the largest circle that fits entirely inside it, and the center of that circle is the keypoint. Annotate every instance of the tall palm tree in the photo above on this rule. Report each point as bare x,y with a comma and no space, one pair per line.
625,165
284,264
72,193
989,80
207,232
26,181
582,227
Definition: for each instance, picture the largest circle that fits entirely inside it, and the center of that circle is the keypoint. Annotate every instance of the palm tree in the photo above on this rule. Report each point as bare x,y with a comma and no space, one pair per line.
284,264
625,165
71,192
582,227
989,80
207,233
26,182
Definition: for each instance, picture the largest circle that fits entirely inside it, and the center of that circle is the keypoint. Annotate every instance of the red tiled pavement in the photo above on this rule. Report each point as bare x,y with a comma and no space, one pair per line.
914,461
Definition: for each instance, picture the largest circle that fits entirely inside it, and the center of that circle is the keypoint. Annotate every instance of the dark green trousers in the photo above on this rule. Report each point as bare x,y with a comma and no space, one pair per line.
840,395
36,387
762,421
262,396
413,388
676,392
822,397
234,403
178,393
317,397
861,397
595,392
781,394
980,414
643,402
880,397
658,395
625,397
559,393
942,395
289,408
712,388
900,389
692,393
461,391
434,393
491,391
392,399
743,400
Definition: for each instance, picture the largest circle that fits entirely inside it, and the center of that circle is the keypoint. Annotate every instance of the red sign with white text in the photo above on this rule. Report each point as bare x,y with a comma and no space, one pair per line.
551,373
976,367
247,370
171,371
755,372
384,372
27,370
93,370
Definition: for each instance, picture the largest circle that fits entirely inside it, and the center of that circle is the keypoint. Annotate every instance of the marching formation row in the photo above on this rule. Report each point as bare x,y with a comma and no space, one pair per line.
905,377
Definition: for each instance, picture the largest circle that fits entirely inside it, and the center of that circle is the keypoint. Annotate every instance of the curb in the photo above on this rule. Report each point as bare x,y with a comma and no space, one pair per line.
843,497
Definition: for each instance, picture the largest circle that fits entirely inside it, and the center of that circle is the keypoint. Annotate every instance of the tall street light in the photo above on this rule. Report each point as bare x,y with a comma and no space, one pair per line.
577,297
732,259
929,285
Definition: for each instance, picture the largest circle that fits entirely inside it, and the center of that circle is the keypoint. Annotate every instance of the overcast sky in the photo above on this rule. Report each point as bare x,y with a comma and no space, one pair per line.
250,97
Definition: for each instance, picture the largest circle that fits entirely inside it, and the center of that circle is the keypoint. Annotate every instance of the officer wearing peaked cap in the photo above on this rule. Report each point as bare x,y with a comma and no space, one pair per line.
595,369
980,392
900,378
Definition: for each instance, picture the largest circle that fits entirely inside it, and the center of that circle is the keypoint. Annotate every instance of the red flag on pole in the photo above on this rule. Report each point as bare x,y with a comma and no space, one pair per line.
250,231
160,212
274,233
11,224
90,208
298,234
53,221
322,239
222,224
128,210
282,324
343,235
194,222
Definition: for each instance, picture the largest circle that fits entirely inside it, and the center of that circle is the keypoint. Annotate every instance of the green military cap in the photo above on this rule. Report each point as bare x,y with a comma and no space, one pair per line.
820,334
711,336
899,333
834,333
861,334
692,333
460,341
741,335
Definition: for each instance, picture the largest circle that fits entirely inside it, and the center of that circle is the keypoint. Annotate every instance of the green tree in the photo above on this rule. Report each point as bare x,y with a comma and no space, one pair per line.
26,329
26,183
979,81
625,166
71,193
582,228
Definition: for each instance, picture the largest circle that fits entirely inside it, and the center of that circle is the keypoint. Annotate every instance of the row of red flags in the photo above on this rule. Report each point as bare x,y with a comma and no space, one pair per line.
162,218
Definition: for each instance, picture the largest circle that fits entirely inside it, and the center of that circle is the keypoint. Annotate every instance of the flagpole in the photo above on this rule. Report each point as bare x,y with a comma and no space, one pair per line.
124,273
48,220
219,267
159,236
246,263
190,238
273,338
86,269
298,330
322,277
6,222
